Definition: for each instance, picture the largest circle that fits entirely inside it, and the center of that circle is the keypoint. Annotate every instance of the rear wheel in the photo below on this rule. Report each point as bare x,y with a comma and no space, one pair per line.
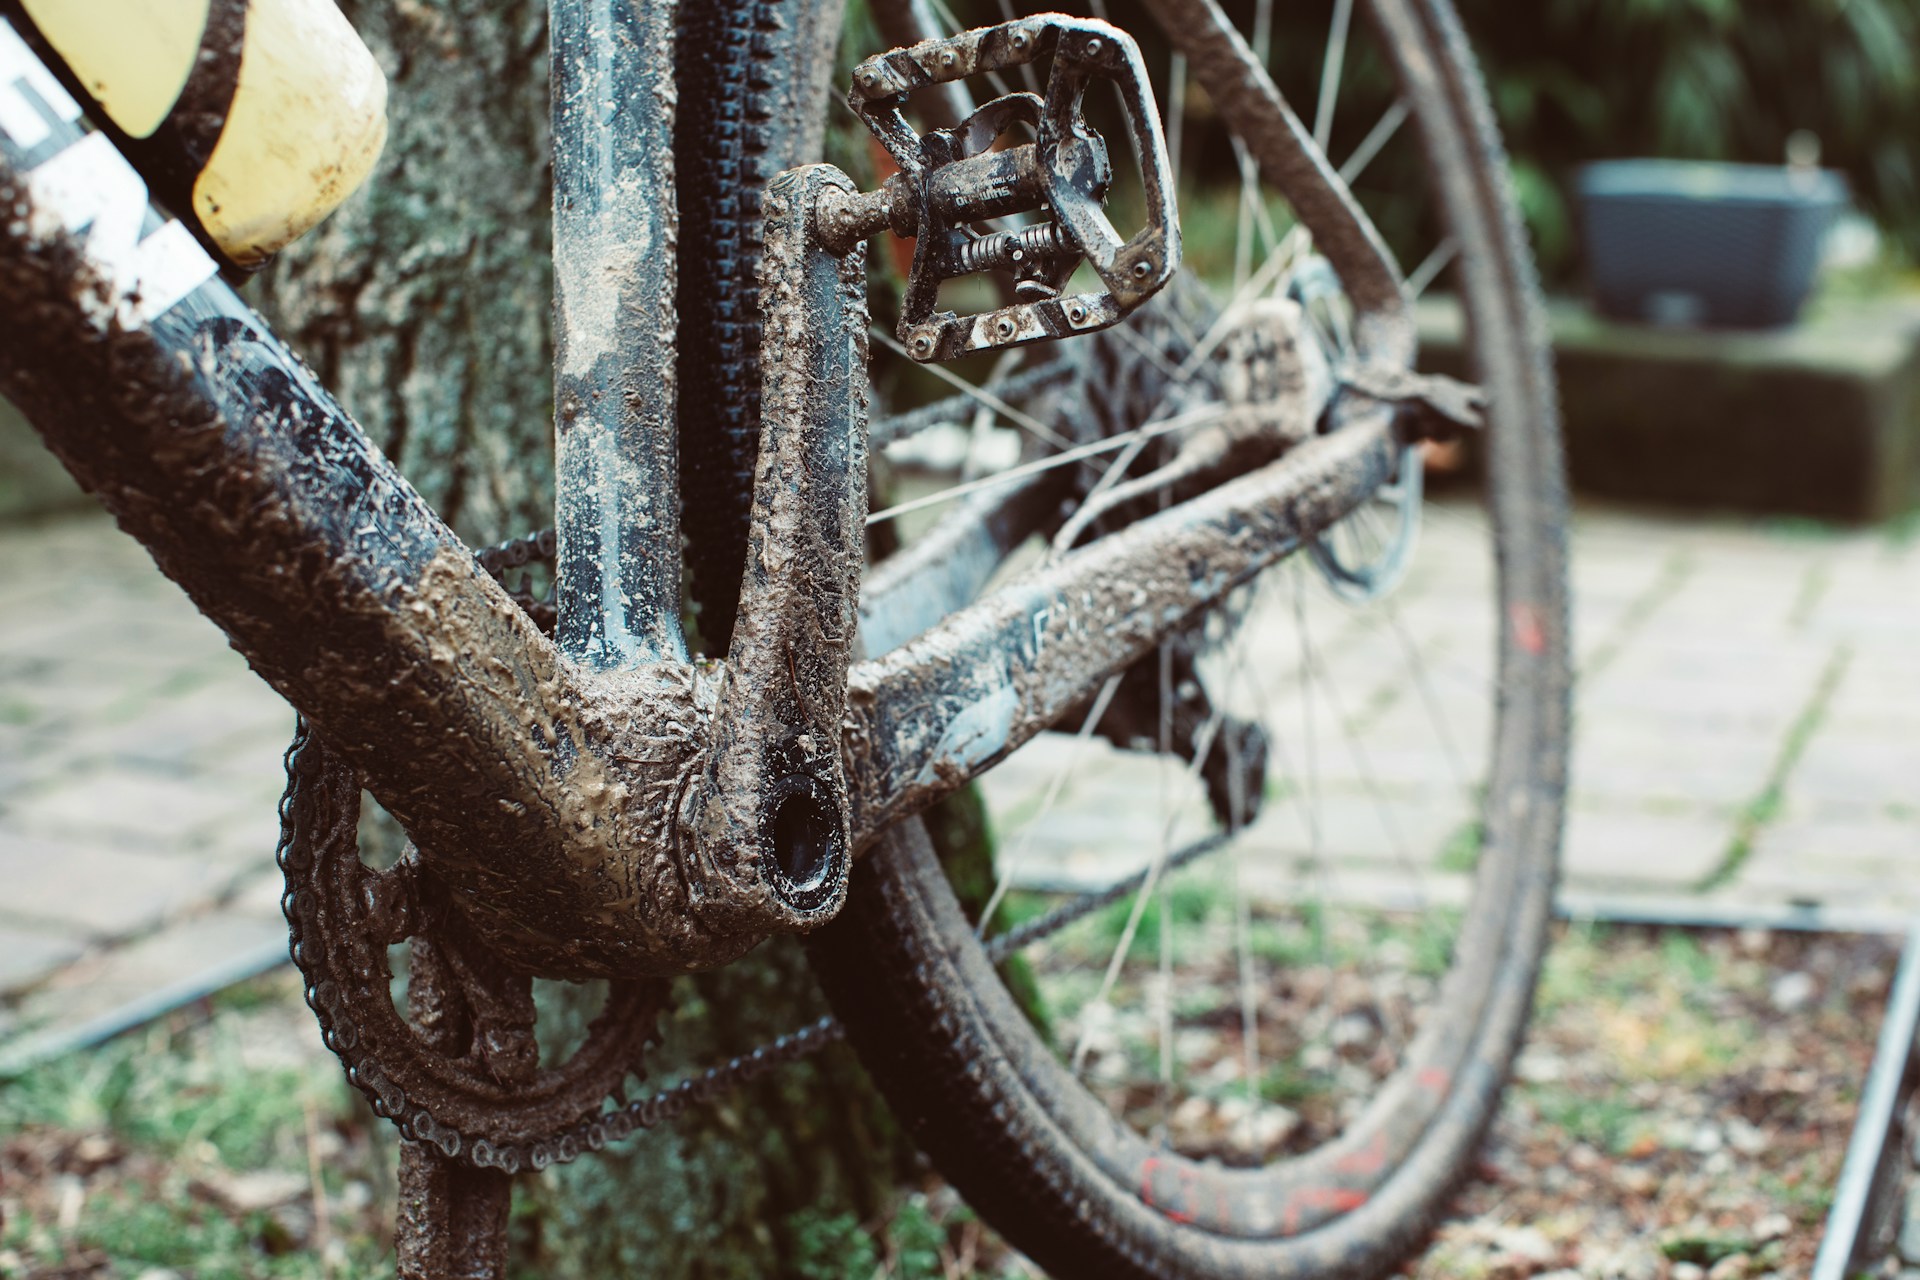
1276,1061
1281,1069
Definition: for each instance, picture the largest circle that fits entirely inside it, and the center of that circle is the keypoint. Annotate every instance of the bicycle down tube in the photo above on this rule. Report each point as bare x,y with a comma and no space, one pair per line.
585,814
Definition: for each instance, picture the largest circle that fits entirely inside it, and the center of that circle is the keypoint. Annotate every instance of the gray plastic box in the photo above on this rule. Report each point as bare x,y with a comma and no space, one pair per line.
1695,243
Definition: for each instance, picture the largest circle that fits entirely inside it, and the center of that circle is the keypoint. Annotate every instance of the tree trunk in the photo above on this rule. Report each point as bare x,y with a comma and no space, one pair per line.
425,303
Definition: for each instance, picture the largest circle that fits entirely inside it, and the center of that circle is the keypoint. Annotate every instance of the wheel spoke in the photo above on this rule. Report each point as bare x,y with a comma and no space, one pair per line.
1203,744
1079,453
1019,417
1331,70
1376,140
1055,785
1423,684
1430,267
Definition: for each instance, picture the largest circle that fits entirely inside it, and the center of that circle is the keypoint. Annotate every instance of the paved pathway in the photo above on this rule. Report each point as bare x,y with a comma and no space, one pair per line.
1747,728
139,763
1748,732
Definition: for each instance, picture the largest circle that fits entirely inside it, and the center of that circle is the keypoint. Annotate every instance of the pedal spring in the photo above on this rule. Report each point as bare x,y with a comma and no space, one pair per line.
1024,251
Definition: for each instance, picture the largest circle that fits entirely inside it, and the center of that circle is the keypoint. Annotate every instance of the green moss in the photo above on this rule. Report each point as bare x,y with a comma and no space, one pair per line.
721,1193
1461,853
831,1247
1764,808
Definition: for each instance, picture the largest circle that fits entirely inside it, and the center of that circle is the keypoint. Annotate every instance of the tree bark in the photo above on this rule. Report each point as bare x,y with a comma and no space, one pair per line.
425,304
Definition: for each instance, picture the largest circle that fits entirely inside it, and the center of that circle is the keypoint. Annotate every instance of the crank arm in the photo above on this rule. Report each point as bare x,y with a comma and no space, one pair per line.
768,820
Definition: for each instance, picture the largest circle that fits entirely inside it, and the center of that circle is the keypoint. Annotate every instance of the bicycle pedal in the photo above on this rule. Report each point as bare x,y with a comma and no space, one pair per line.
953,180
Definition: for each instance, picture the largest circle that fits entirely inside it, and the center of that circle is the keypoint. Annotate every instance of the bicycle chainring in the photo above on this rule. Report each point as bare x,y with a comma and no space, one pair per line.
464,1074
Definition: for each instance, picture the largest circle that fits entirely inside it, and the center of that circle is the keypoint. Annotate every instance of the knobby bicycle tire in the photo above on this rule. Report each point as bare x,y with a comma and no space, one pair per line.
751,75
1017,1132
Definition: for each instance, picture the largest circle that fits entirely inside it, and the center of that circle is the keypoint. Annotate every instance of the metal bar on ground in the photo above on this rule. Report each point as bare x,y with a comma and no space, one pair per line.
35,1048
1879,1102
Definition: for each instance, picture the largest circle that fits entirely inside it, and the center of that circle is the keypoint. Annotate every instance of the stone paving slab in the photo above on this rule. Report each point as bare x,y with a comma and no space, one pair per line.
1664,765
1749,719
110,978
139,764
1616,848
99,893
1860,857
29,952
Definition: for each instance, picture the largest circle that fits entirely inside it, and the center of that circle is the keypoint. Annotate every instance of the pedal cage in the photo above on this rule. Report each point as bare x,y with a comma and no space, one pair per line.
952,178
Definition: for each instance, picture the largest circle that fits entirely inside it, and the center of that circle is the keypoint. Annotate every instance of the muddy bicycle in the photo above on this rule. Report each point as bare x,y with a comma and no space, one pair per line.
594,792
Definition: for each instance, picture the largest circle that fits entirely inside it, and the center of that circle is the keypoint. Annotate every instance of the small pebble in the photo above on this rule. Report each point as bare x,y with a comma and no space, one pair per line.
1688,1271
1525,1242
1732,1267
1706,1140
1536,1066
94,1149
1909,1244
1747,1139
1629,1262
1792,992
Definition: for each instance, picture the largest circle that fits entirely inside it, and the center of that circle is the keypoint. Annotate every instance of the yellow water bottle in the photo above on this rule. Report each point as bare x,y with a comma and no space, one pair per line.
250,119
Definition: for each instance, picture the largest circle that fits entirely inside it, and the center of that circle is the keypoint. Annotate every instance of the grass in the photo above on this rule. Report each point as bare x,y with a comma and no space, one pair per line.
1288,1084
109,1155
1813,587
169,1103
1461,853
1189,900
1761,811
1611,1122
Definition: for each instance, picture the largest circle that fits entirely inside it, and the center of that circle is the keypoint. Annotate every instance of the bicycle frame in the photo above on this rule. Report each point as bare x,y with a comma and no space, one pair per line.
604,806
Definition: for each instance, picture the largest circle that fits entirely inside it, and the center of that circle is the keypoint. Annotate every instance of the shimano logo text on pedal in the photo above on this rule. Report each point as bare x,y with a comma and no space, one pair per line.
79,184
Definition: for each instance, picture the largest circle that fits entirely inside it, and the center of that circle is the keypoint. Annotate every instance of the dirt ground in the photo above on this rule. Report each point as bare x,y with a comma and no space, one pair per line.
1680,1113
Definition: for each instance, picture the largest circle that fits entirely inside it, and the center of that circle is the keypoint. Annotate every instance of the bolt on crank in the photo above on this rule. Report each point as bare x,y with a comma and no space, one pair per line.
952,182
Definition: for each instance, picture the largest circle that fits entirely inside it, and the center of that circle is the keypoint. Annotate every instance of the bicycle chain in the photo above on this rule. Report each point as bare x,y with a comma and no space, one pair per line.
502,558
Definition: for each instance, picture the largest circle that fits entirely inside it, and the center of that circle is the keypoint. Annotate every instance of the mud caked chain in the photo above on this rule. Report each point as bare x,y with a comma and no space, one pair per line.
502,559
